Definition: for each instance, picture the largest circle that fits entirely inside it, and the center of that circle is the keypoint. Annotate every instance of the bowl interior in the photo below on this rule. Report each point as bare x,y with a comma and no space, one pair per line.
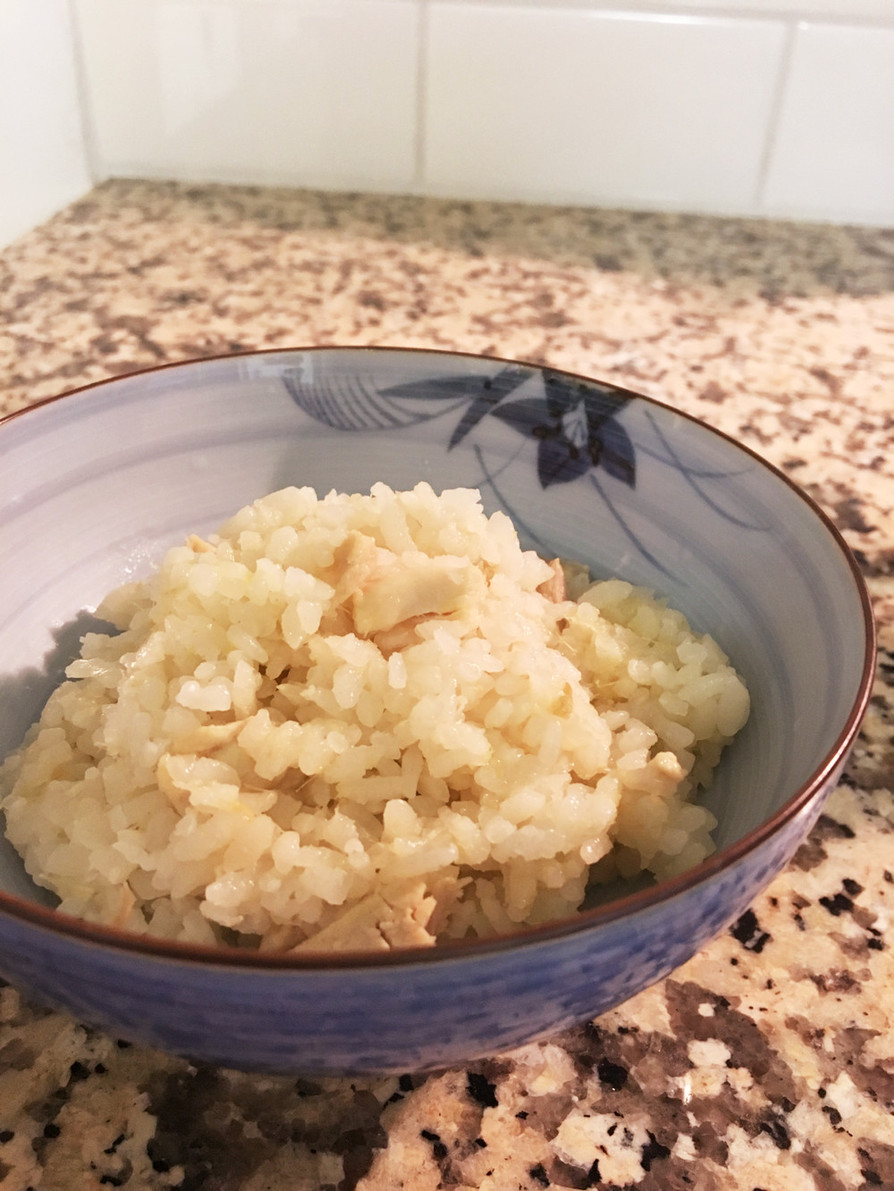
96,486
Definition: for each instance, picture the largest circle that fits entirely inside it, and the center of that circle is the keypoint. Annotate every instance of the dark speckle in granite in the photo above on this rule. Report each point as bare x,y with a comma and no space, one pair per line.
482,1090
748,931
767,1062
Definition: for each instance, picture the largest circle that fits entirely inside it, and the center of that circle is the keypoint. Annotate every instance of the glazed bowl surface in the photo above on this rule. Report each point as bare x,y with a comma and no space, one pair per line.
95,486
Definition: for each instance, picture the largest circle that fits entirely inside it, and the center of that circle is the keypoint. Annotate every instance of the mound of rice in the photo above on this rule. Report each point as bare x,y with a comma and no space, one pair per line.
367,721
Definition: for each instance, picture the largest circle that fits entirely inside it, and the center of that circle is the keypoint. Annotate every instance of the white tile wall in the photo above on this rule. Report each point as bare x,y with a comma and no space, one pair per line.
834,147
755,107
571,104
306,92
43,160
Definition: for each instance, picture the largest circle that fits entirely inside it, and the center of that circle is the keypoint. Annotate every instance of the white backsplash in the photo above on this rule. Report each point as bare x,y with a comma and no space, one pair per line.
779,108
577,105
43,162
833,152
304,92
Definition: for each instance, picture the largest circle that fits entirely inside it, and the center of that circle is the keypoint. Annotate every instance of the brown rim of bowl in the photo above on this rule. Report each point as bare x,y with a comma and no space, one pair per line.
79,930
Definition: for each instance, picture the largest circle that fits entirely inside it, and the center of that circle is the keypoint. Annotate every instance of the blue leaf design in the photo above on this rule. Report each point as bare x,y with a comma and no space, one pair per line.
600,401
354,403
562,392
345,403
438,388
631,536
528,415
573,420
559,461
494,389
565,451
615,452
697,477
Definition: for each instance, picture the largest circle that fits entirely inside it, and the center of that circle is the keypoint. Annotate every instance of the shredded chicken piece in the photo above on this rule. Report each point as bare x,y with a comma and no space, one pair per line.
661,775
209,737
414,585
667,764
355,563
577,578
394,917
554,587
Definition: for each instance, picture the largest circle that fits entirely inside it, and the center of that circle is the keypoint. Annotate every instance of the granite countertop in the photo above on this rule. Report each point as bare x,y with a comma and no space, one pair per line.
767,1062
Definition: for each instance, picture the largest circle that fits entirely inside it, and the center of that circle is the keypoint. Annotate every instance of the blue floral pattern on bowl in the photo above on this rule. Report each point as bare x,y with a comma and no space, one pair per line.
574,424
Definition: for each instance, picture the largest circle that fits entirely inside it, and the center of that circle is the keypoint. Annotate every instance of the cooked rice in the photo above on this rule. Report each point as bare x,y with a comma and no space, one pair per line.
367,721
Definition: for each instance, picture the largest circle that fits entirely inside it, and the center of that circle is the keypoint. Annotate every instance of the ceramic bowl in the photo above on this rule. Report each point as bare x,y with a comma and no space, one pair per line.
96,485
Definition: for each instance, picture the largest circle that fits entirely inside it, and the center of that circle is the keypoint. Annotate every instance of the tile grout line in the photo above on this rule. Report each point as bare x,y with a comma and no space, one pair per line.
421,137
771,138
85,106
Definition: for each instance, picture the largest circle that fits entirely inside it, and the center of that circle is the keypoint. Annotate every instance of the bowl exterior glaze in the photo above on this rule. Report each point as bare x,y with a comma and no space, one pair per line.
94,489
424,1014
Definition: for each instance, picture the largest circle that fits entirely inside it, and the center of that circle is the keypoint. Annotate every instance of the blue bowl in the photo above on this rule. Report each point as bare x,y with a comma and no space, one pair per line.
95,487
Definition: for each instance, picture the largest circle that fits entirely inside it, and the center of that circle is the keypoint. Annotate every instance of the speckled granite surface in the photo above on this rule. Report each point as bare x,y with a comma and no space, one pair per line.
767,1062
